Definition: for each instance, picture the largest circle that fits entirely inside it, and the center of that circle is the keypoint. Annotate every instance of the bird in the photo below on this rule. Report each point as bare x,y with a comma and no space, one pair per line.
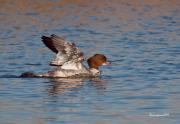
69,60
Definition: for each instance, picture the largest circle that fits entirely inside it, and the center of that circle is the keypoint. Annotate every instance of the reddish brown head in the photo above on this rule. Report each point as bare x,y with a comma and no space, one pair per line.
97,60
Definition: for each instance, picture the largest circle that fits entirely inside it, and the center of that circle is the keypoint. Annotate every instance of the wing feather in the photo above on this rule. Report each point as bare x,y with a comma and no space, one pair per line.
49,43
65,50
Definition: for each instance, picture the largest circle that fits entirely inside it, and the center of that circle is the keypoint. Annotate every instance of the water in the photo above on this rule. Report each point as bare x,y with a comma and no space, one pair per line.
141,86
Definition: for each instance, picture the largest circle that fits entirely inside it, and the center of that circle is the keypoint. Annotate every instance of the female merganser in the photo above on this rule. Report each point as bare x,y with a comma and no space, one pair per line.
69,60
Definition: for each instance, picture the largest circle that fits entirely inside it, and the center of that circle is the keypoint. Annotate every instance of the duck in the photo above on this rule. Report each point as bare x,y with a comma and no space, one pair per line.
69,60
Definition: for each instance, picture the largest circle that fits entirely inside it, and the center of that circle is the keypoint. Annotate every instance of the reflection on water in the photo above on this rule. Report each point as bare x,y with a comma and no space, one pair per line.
141,38
64,85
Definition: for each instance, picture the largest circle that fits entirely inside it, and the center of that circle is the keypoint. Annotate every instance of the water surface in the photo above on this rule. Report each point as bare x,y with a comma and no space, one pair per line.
141,38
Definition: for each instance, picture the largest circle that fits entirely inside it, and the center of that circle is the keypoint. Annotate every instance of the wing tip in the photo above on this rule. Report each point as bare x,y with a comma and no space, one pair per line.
44,37
48,42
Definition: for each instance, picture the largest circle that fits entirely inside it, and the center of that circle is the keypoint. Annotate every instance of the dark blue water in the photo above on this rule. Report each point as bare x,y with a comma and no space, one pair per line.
141,86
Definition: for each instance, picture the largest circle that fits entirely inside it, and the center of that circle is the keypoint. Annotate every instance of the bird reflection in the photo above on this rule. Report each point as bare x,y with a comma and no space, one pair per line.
64,85
98,83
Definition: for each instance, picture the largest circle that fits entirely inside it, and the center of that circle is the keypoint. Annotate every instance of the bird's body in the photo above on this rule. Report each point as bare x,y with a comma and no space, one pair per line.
69,60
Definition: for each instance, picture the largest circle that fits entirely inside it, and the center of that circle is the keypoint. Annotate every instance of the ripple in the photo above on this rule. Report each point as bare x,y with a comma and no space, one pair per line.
141,39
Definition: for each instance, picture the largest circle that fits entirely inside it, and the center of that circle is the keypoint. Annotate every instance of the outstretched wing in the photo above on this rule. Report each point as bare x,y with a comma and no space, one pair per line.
65,51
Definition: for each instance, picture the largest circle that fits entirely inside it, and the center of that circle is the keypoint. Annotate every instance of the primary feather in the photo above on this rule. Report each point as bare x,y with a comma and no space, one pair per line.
65,51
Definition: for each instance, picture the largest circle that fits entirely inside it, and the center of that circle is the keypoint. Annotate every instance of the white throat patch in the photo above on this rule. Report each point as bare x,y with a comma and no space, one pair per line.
95,71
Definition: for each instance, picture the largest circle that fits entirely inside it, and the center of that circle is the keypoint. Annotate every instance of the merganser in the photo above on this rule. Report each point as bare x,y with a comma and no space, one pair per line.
69,60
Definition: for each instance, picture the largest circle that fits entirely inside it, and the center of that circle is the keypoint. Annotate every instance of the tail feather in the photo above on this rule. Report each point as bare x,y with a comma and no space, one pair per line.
28,75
